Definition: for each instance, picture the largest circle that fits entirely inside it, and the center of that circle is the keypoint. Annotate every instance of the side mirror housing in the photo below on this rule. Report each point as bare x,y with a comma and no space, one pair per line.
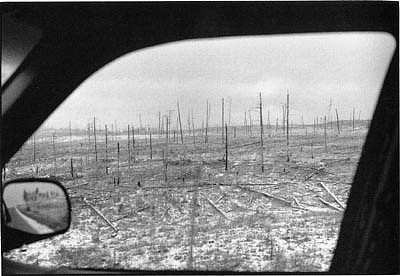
33,209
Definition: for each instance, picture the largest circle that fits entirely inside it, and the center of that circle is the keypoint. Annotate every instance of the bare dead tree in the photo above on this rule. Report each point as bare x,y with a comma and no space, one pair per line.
230,106
190,132
337,121
105,129
115,130
251,124
287,126
133,142
72,169
194,135
151,148
206,137
269,126
180,123
329,112
129,148
95,141
34,147
70,139
222,119
165,152
159,123
326,147
54,154
226,147
245,121
118,154
140,121
261,136
88,153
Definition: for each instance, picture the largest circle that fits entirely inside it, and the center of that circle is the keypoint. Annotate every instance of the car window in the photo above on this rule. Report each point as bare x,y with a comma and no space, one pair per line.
17,41
227,154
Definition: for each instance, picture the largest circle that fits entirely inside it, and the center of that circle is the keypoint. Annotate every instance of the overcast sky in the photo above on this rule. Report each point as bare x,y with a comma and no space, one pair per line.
348,68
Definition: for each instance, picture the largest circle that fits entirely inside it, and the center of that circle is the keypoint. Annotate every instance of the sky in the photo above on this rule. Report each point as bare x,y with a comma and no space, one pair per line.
347,68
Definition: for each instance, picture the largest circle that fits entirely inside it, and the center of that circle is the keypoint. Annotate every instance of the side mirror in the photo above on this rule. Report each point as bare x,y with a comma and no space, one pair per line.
34,209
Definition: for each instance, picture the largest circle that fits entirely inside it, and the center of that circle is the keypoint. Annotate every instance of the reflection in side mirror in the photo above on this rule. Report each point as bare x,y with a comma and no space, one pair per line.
35,207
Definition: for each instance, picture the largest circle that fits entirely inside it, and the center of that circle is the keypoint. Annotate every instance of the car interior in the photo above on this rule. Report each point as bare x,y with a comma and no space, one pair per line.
66,43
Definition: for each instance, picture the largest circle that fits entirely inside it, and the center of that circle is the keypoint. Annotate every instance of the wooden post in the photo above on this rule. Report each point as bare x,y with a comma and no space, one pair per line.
105,128
261,136
222,119
180,123
54,153
234,132
129,148
226,147
302,121
337,121
326,147
287,126
95,142
206,137
353,117
276,126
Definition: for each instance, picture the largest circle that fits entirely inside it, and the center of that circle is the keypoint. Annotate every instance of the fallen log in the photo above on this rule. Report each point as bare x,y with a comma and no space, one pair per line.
78,185
314,173
329,205
332,195
268,195
217,209
219,199
131,213
99,214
